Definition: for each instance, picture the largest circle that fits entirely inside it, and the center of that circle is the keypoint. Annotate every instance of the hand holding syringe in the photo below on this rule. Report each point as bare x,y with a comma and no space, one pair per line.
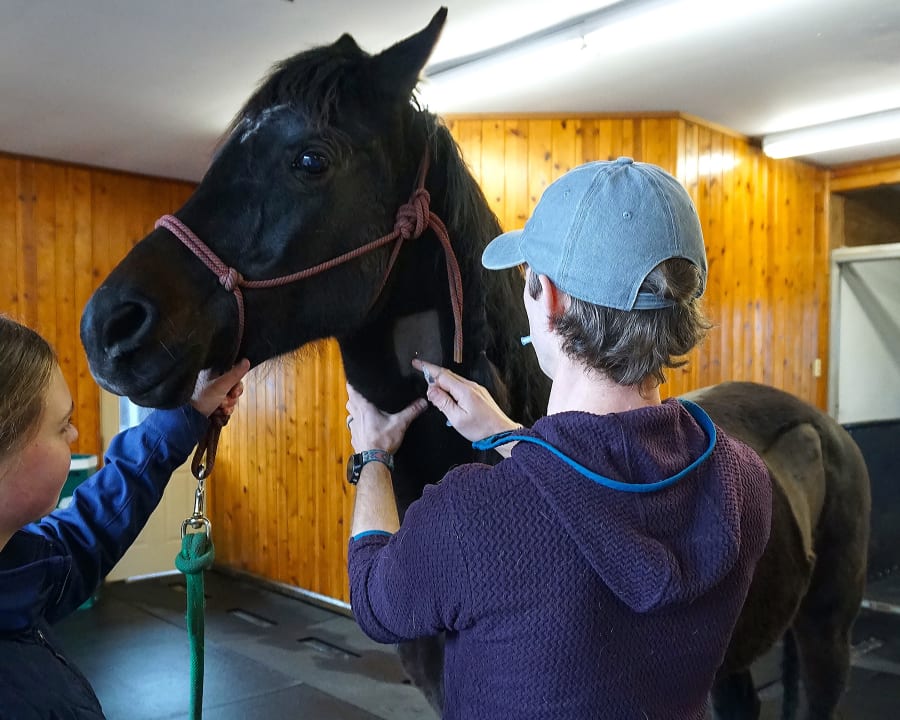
468,406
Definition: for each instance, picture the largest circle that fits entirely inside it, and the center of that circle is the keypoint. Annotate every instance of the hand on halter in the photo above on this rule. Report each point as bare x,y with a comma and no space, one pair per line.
468,406
223,391
372,429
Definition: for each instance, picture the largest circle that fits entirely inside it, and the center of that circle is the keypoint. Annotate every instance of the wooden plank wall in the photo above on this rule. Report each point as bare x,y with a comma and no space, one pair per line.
883,171
763,222
279,495
62,229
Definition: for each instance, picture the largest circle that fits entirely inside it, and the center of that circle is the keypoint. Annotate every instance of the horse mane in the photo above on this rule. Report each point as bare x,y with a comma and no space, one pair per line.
472,225
466,210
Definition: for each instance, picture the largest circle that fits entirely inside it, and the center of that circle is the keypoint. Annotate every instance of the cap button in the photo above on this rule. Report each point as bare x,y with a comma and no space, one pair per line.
625,161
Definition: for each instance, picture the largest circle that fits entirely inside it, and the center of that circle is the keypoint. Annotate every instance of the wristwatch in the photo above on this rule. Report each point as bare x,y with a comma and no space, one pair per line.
356,462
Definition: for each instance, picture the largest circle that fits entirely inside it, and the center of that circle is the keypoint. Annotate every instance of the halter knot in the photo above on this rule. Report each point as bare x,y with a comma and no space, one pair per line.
231,279
412,217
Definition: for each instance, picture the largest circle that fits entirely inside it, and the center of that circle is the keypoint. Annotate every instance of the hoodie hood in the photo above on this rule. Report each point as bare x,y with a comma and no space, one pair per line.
652,549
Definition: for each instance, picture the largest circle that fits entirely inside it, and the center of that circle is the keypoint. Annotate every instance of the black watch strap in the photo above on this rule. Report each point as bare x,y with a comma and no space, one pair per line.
356,462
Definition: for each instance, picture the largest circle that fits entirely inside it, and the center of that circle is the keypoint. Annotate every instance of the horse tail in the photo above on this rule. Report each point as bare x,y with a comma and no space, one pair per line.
790,676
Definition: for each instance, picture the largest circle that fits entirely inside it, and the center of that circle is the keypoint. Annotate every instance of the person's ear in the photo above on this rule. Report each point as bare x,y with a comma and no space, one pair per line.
554,301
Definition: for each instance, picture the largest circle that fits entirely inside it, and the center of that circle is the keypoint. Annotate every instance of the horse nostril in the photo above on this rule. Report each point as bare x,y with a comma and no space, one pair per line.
126,328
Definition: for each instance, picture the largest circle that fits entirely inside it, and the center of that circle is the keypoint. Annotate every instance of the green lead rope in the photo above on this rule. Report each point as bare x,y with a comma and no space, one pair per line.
197,554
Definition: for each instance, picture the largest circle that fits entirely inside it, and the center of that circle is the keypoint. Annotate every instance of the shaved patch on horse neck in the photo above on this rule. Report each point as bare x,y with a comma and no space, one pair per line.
417,336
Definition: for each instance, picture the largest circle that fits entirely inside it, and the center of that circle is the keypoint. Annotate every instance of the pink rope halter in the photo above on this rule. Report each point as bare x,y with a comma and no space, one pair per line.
412,219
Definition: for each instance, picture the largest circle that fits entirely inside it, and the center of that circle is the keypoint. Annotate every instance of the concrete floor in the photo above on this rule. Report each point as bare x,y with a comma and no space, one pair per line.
267,655
271,655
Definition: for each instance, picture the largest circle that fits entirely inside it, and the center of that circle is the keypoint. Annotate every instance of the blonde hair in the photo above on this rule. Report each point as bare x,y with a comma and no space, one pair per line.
26,367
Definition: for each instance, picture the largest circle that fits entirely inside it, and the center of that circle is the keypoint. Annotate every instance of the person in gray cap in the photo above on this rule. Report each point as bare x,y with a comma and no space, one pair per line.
599,569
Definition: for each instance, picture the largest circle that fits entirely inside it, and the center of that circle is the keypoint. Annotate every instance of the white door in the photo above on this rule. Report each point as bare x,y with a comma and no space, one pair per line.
864,382
155,549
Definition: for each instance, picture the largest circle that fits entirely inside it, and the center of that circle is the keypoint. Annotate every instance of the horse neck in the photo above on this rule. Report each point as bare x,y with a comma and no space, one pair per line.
493,313
418,292
495,318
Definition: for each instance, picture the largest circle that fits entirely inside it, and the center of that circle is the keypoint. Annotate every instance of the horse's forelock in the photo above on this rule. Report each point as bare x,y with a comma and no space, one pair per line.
311,83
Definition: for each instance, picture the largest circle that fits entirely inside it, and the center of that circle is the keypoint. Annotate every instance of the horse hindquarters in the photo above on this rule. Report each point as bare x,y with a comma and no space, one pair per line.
780,580
811,576
782,576
825,618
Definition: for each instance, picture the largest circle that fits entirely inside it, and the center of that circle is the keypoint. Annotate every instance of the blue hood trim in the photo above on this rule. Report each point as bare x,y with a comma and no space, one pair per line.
696,412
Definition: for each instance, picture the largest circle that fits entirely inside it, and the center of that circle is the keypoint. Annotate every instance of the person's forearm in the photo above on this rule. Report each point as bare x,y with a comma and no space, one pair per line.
375,507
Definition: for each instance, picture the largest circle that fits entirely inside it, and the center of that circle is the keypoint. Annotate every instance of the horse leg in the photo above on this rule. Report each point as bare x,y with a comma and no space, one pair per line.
790,680
734,697
824,648
423,661
822,630
825,618
781,579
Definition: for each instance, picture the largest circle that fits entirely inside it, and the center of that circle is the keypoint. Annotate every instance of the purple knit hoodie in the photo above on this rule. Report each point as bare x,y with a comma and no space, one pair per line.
562,598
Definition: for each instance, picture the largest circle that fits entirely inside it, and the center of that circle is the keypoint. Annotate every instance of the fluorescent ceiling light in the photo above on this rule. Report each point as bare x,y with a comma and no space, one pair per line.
544,62
653,22
623,25
850,132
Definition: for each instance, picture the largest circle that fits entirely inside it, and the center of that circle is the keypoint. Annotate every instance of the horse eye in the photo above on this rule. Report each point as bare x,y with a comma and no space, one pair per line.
312,163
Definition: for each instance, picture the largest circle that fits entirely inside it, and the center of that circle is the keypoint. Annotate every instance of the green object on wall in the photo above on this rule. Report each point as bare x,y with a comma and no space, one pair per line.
81,468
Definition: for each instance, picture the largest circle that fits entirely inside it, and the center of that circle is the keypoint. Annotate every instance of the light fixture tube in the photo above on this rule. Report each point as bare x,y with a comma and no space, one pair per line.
846,133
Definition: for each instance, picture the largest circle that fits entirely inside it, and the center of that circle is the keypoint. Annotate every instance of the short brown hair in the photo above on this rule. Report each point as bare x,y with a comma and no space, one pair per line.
26,366
629,346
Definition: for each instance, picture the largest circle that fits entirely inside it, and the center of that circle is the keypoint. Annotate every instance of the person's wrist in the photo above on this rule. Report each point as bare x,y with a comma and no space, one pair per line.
357,462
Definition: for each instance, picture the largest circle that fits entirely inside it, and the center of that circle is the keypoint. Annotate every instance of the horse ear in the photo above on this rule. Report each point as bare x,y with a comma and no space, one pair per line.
398,67
346,43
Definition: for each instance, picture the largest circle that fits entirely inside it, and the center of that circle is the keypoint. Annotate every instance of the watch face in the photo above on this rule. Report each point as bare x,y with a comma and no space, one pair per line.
357,461
354,467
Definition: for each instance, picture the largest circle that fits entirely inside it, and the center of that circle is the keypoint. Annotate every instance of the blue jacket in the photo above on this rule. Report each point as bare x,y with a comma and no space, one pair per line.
49,568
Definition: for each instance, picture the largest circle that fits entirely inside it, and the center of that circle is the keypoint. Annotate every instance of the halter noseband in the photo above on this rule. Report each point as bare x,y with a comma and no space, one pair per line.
412,219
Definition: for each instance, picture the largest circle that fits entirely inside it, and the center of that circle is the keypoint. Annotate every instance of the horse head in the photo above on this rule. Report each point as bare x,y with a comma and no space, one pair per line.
314,166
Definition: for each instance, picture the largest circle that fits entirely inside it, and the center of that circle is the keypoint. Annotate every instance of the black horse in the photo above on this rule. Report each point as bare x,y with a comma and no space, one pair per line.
315,166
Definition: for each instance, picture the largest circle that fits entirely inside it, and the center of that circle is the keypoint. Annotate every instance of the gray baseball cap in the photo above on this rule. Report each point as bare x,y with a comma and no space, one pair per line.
600,229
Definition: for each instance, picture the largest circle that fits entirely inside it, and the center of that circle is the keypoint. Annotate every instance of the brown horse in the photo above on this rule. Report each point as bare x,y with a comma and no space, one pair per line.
314,168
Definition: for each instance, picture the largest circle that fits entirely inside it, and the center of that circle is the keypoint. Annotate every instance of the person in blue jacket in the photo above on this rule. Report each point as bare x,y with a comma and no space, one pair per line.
52,560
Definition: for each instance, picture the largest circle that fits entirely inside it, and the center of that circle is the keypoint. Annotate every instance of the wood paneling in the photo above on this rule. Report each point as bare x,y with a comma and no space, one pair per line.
762,221
279,497
865,175
62,228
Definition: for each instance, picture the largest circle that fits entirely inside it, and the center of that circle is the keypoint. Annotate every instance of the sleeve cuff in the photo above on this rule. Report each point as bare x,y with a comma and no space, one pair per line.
371,533
182,426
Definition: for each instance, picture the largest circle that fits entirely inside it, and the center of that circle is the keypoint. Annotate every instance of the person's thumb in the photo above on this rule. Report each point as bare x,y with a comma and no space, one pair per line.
233,376
412,411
